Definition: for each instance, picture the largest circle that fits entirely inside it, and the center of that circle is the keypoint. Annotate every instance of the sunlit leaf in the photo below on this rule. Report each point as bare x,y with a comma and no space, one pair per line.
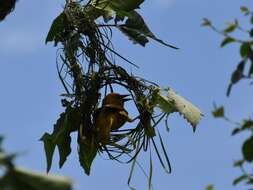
176,103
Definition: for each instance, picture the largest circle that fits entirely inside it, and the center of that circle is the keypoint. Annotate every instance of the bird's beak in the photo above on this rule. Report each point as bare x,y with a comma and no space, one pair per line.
124,97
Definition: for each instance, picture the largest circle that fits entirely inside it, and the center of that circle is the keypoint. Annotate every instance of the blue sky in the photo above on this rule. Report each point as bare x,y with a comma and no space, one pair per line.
199,71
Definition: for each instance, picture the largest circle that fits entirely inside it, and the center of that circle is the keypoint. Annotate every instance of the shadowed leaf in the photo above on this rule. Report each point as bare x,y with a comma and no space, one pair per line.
238,163
49,148
117,5
218,112
87,153
230,28
237,75
247,149
137,30
67,123
227,41
56,28
239,179
245,50
206,22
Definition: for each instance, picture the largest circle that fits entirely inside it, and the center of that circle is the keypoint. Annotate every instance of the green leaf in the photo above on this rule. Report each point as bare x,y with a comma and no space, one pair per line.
134,36
229,89
244,9
236,76
64,148
238,163
238,73
68,122
128,6
150,131
236,131
251,32
250,69
247,149
1,141
249,182
87,153
227,41
117,5
39,181
239,179
245,50
49,148
206,22
231,27
218,112
247,124
176,103
210,187
137,30
56,28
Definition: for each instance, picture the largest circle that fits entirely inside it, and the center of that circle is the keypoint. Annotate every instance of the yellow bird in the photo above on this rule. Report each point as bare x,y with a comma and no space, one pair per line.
111,116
